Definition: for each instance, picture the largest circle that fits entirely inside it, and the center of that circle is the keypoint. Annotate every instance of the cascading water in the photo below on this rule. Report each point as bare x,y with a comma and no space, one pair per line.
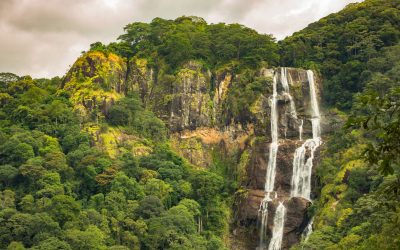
271,169
273,149
286,92
277,233
301,130
302,167
316,124
308,230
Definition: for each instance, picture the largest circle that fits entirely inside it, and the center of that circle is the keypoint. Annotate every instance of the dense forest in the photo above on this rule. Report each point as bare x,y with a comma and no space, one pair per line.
61,192
65,183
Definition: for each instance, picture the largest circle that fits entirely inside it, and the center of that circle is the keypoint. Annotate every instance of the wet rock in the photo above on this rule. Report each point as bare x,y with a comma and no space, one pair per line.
192,103
295,221
284,170
289,140
257,165
250,205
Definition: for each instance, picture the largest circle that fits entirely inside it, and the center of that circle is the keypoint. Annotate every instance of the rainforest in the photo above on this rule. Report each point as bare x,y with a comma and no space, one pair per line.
183,134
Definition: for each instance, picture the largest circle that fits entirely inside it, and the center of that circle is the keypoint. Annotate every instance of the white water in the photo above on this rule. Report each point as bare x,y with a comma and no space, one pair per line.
302,167
316,125
308,230
263,213
301,130
271,168
273,148
286,92
277,233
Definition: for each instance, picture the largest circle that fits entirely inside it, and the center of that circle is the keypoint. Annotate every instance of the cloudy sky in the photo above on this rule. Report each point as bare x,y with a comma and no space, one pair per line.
43,37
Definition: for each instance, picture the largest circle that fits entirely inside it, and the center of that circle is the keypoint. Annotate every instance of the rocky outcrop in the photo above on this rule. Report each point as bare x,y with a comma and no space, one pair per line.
197,106
95,81
191,102
289,139
200,146
295,221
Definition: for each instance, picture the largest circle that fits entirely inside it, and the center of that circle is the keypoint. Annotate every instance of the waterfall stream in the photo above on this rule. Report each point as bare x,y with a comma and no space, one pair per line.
277,233
302,166
301,130
286,92
273,149
308,230
271,169
302,160
316,125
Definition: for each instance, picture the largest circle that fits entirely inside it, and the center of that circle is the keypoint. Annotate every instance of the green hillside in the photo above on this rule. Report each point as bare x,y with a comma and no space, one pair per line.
104,158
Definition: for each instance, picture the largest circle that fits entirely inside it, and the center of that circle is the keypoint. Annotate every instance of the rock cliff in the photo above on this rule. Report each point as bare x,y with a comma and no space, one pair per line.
215,114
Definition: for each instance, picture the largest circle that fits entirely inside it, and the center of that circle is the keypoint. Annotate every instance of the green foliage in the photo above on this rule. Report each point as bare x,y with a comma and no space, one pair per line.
52,243
63,208
345,46
377,110
61,188
357,52
360,169
187,38
129,112
91,238
242,95
7,174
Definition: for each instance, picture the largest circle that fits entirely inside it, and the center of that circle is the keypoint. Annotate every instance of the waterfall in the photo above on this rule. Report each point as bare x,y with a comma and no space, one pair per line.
273,148
286,92
301,130
302,160
263,213
271,168
302,167
316,126
277,234
308,230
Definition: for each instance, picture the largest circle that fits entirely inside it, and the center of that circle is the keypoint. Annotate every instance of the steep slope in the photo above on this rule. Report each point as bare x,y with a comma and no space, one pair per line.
221,120
85,160
359,204
344,46
266,189
357,52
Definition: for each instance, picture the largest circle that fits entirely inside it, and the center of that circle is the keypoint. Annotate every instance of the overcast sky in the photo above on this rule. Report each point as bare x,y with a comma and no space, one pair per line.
43,37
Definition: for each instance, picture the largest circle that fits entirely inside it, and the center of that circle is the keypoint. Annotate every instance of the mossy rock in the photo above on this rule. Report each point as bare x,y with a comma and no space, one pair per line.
95,81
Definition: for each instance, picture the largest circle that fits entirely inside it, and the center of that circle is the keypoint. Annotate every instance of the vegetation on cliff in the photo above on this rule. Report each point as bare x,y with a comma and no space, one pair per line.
359,204
86,161
345,46
191,38
62,188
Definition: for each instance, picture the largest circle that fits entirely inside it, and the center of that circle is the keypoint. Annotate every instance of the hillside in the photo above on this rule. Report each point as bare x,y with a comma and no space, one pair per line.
189,135
344,47
356,51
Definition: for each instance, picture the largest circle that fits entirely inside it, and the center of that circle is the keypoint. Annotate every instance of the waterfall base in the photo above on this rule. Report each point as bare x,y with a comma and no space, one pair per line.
295,220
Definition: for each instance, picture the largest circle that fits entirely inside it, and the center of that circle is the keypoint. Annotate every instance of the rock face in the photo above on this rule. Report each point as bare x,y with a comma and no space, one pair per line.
96,81
296,220
204,123
191,101
248,211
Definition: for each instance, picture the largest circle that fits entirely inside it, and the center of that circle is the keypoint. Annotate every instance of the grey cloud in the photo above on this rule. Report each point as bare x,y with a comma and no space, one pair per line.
43,37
